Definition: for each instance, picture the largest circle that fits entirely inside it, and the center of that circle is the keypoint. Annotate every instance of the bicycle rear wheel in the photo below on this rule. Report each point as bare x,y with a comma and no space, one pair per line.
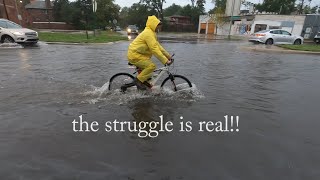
119,80
176,83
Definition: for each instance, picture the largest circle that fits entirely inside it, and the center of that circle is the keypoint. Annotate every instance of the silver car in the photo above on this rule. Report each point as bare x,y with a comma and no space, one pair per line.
317,38
11,32
275,36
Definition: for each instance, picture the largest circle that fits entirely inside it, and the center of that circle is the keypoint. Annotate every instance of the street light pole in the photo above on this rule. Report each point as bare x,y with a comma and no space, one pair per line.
232,9
5,9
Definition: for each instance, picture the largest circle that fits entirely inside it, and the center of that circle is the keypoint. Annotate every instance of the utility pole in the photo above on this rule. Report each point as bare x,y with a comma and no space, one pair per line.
5,9
232,9
18,13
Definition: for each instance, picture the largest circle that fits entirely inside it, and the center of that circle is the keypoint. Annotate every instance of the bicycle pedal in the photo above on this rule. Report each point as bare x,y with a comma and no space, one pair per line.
123,89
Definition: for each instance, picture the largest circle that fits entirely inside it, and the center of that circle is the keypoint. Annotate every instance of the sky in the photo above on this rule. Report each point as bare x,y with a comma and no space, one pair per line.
209,5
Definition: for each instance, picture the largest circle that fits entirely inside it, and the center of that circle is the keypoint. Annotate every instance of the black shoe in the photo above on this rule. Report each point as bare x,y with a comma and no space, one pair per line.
147,84
139,84
123,89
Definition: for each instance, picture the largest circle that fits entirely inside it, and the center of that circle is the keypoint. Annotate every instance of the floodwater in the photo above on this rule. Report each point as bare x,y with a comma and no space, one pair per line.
44,89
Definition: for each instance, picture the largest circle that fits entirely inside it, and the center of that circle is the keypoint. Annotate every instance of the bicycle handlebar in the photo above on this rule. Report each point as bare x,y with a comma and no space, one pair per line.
171,59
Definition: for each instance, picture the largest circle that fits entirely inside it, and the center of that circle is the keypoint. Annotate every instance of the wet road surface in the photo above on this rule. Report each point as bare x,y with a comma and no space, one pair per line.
43,89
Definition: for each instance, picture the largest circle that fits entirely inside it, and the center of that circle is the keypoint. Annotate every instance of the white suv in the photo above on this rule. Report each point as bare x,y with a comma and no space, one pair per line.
11,32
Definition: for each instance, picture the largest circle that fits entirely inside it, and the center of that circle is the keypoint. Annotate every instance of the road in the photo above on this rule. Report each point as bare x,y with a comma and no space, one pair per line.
44,89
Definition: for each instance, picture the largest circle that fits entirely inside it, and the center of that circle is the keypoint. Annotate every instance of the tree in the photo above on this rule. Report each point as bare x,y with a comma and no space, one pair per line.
172,10
306,9
277,6
137,14
106,12
220,5
310,10
219,18
61,10
200,5
156,5
193,13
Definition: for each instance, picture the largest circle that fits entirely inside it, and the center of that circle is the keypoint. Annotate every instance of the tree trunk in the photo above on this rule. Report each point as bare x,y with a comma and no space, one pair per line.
5,9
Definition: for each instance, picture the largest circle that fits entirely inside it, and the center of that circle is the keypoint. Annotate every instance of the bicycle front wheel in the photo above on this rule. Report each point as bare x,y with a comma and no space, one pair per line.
176,83
120,79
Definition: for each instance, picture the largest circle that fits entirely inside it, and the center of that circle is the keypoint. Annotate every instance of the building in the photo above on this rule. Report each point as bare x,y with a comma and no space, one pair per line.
9,10
290,23
220,24
311,26
40,16
40,11
305,25
179,23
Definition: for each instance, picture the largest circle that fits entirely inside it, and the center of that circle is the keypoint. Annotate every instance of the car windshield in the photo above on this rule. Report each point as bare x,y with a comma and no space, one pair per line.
9,25
132,27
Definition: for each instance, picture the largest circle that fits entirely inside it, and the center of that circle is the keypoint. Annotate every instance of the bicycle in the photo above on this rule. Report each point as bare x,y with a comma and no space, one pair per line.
123,80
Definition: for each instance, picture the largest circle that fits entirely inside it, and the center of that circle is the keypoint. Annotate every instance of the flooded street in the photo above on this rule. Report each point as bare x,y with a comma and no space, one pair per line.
44,89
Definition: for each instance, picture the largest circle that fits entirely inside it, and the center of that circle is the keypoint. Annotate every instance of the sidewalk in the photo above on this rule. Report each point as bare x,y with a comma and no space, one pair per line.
276,49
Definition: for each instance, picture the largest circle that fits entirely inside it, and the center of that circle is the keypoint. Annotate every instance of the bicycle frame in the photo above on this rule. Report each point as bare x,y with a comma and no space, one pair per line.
153,80
156,77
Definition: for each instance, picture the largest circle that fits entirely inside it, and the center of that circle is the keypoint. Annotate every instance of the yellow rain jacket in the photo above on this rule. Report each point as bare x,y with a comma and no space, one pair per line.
144,46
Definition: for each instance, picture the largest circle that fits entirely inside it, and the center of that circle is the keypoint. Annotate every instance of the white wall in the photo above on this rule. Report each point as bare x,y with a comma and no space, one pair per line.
275,20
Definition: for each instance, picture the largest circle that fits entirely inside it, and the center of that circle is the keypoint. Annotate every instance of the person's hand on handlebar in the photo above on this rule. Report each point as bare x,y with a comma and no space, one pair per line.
169,62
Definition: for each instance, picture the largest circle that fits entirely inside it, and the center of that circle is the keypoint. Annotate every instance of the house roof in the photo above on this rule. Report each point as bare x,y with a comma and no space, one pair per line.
38,5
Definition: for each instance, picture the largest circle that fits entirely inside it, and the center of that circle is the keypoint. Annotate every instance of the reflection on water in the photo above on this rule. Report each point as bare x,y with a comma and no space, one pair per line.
276,97
24,57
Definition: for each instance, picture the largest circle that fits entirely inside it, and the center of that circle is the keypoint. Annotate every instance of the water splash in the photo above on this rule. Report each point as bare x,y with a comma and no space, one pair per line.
102,94
11,45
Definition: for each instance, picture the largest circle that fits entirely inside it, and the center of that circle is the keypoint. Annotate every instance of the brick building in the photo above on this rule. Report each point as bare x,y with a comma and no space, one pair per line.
37,14
9,10
40,11
180,23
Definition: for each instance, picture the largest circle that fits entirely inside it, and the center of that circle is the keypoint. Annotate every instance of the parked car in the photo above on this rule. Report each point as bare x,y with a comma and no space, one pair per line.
118,28
11,32
317,38
132,29
275,36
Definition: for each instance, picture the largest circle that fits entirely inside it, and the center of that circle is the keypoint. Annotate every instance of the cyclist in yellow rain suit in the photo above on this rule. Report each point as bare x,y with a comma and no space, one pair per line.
143,47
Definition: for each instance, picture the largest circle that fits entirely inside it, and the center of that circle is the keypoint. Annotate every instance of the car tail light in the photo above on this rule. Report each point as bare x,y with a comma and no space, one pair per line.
260,34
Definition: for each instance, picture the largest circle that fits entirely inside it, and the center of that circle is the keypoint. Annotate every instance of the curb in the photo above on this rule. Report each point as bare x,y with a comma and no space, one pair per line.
66,43
278,50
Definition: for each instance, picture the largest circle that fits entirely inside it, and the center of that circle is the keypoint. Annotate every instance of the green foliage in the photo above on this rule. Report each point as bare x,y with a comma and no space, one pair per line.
157,5
136,14
220,5
172,10
61,10
79,13
192,12
107,11
200,5
277,6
